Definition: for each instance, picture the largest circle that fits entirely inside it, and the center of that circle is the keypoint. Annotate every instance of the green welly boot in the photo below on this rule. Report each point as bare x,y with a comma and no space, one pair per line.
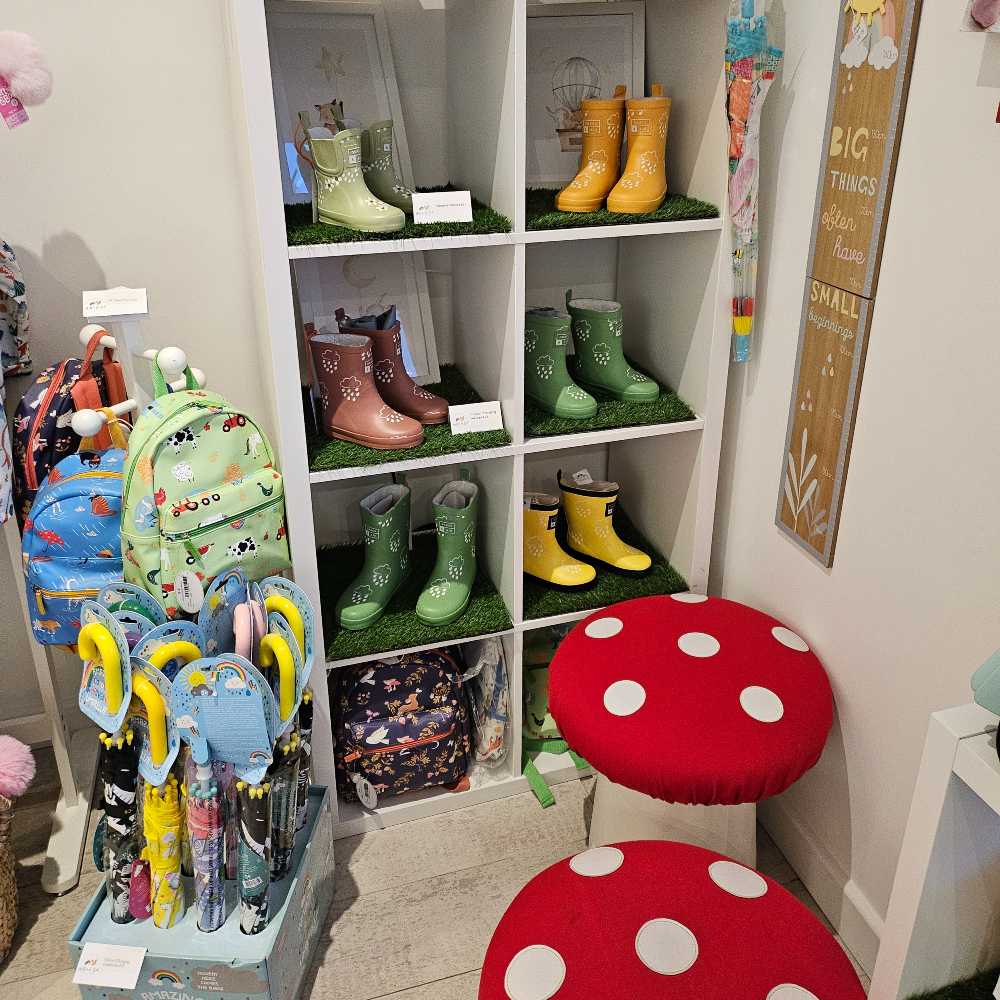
446,594
547,382
339,190
599,362
385,515
378,170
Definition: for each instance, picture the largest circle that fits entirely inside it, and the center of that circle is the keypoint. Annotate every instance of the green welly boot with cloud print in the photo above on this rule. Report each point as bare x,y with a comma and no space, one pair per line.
385,515
341,196
547,381
599,362
379,170
446,594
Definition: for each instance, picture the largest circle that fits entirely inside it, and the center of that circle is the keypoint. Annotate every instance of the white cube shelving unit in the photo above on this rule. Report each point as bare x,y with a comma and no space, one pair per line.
672,277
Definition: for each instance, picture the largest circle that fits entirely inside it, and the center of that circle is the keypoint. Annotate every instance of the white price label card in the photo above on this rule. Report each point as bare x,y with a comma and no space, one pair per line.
111,965
442,206
473,417
583,477
118,301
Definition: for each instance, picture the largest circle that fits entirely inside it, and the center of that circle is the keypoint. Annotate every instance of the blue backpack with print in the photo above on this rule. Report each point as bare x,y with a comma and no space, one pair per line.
401,725
71,546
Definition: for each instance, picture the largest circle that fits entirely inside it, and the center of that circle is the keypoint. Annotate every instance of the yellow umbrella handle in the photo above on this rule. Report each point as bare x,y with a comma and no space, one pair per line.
274,649
285,608
156,715
96,642
180,649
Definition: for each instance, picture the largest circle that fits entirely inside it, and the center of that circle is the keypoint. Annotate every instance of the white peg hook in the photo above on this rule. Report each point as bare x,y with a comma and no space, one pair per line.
87,423
172,361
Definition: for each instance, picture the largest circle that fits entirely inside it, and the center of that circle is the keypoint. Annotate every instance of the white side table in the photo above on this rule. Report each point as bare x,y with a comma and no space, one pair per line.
943,923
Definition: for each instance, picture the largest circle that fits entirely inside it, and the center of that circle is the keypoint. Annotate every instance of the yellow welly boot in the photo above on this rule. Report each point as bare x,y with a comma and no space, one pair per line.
544,557
643,184
590,510
600,155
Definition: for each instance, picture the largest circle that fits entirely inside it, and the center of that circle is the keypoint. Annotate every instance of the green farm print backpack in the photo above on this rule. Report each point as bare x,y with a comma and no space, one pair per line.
201,495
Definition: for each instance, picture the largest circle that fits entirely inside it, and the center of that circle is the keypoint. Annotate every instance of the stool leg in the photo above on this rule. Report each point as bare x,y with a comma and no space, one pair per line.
623,814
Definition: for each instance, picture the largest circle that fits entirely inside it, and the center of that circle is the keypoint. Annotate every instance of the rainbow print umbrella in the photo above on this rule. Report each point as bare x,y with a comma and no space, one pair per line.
751,64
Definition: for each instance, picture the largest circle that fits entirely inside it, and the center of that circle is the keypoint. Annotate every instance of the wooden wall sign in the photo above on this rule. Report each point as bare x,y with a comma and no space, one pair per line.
871,77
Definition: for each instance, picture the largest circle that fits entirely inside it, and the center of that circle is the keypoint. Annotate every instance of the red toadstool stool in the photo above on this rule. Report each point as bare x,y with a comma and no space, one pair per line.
656,920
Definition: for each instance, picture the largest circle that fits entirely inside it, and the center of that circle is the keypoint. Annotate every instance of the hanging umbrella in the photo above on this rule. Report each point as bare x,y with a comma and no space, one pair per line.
119,775
162,824
206,830
305,758
253,808
750,68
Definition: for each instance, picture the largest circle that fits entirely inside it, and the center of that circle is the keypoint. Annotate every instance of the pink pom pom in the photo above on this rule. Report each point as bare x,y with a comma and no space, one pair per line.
24,67
17,767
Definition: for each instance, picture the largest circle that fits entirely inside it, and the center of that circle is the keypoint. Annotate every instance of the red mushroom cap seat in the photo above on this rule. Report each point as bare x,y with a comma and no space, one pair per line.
657,920
691,699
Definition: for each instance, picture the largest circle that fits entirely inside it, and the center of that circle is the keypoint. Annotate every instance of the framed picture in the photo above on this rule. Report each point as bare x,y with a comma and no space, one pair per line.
337,50
576,51
324,51
369,283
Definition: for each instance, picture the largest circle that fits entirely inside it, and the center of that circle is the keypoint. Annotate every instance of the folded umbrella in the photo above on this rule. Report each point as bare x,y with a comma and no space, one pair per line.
206,830
305,725
162,825
253,808
119,776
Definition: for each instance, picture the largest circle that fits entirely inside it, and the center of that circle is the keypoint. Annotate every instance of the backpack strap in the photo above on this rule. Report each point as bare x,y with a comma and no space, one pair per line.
112,431
114,379
160,387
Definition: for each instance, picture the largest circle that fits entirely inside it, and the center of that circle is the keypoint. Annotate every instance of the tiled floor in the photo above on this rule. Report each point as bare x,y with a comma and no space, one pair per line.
455,874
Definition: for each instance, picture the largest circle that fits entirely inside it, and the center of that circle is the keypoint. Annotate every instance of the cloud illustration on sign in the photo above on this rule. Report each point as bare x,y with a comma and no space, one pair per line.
185,722
235,684
884,53
856,50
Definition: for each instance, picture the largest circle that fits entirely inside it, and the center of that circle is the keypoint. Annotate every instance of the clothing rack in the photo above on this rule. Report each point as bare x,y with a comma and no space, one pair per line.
76,753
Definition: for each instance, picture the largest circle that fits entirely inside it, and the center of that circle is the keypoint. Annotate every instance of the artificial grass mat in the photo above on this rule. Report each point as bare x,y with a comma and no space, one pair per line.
303,231
977,988
667,408
609,588
540,212
400,627
326,454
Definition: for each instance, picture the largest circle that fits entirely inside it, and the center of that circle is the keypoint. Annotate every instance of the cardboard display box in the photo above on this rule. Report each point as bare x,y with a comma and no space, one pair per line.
183,963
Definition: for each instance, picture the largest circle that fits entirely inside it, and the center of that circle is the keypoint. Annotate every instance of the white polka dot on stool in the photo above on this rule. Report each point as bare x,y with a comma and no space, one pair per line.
789,991
761,704
666,946
689,598
699,644
597,861
604,628
788,638
737,880
624,697
535,973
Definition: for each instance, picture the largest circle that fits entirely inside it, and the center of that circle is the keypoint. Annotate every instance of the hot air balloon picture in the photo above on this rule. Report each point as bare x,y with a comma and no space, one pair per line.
574,81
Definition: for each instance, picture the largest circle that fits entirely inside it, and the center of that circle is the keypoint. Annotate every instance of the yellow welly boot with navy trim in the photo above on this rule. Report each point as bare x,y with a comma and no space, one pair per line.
590,509
544,558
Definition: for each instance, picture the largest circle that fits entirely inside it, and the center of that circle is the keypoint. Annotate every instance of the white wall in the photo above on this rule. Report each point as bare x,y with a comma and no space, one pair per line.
129,175
909,608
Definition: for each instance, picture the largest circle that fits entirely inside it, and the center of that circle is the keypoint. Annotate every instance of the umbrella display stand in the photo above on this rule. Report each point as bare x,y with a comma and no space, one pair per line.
227,963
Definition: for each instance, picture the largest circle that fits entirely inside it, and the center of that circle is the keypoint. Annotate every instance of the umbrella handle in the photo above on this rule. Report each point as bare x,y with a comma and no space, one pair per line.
96,642
156,716
285,608
180,649
274,649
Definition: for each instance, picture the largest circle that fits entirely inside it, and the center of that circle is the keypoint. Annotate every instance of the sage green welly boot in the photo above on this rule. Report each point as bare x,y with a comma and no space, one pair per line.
446,594
342,198
599,362
385,515
377,167
547,381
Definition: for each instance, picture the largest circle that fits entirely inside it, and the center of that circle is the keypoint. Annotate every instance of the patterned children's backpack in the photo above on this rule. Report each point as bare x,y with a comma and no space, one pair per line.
489,699
400,725
42,432
70,547
201,496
